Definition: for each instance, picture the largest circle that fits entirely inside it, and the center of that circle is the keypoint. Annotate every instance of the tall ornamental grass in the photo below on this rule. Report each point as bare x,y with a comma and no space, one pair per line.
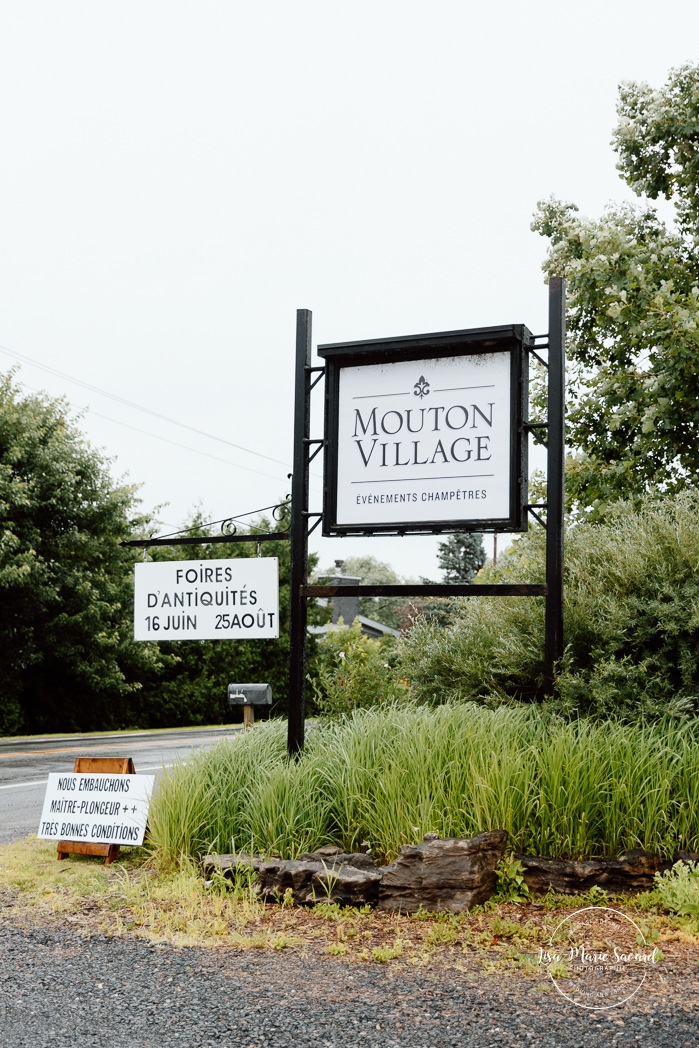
562,789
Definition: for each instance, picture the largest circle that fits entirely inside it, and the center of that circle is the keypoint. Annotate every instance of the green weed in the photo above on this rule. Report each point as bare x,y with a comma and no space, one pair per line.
677,890
510,885
387,953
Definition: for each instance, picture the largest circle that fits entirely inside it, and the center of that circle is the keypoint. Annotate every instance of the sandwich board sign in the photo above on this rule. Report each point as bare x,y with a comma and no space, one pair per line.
95,808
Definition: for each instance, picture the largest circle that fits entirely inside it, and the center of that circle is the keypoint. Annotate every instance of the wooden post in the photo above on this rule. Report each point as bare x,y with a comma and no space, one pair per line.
248,716
98,766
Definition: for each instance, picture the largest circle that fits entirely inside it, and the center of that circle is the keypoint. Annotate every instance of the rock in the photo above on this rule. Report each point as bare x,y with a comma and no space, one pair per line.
328,851
357,860
226,865
685,856
451,874
633,870
315,881
348,885
276,876
328,879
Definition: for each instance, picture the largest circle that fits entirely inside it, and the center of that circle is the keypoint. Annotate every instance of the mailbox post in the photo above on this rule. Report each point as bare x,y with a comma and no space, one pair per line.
248,696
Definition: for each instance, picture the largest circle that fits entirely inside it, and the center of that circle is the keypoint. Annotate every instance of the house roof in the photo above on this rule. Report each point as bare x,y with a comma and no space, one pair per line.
369,626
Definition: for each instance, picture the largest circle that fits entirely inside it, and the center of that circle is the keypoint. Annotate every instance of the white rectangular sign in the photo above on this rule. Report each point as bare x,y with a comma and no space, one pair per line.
234,599
425,440
101,809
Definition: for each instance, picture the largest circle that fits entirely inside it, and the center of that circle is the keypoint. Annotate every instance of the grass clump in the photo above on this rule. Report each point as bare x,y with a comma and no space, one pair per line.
564,789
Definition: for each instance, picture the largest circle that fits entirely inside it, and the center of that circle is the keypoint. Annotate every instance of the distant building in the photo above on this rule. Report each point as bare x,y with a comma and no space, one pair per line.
347,608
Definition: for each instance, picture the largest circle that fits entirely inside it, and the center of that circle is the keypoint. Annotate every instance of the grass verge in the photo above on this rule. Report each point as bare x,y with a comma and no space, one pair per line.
134,897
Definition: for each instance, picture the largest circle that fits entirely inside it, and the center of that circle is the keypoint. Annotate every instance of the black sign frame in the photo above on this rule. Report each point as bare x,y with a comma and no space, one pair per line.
304,522
515,339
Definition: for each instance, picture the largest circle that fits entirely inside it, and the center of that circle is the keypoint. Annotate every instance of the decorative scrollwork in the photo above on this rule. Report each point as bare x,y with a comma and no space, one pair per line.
278,511
229,527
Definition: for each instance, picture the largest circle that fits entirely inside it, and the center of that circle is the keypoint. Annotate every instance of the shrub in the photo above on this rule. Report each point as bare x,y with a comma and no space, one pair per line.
354,671
631,622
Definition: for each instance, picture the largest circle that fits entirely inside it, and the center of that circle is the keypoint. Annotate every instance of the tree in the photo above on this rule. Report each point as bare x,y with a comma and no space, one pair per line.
633,303
656,140
461,557
68,658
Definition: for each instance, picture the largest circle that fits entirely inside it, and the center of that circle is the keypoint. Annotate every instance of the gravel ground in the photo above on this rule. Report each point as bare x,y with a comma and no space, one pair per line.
58,986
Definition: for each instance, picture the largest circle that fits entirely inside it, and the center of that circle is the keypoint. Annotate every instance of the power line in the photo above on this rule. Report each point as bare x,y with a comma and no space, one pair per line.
185,447
137,407
176,444
156,414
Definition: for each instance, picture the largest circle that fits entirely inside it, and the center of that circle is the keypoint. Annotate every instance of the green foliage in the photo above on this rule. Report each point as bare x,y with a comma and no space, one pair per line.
485,648
68,658
631,621
656,141
382,954
633,385
387,776
633,300
461,557
510,885
677,890
632,611
354,671
66,631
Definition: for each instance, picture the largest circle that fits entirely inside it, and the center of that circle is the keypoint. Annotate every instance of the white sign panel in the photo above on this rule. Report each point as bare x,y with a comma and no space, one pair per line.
425,440
101,809
236,599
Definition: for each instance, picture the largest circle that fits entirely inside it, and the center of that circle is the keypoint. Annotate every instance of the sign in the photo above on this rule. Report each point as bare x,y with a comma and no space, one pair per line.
233,599
425,434
96,808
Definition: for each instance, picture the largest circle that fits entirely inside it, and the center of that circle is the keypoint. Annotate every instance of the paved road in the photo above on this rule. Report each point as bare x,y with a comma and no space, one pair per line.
26,762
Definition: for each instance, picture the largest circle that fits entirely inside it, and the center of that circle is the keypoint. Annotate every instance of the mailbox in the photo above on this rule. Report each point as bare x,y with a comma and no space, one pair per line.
249,694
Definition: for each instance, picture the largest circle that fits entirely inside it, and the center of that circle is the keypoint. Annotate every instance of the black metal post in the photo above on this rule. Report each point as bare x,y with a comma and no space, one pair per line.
299,534
554,482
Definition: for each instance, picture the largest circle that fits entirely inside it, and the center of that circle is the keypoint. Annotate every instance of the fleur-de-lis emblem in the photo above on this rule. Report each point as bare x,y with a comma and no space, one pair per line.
422,387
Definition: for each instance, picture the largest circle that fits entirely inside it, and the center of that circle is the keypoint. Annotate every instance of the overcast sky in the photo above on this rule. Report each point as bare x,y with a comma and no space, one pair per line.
179,177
